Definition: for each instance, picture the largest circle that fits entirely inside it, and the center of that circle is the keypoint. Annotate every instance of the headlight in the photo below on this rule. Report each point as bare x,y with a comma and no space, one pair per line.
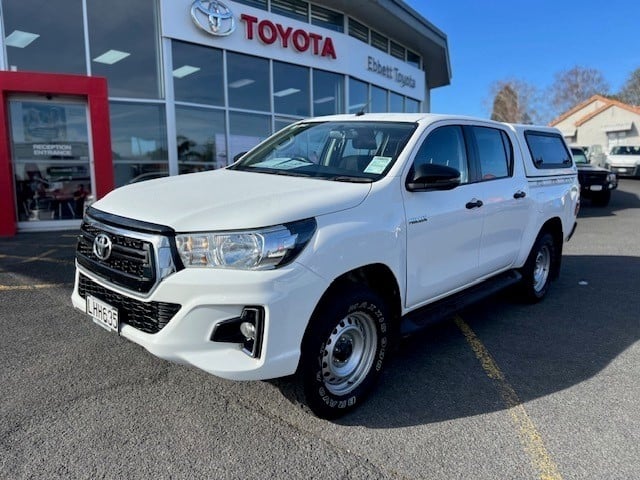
260,249
611,177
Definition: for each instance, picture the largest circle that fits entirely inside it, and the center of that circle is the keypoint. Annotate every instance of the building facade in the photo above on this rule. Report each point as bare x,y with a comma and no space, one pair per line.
96,95
600,123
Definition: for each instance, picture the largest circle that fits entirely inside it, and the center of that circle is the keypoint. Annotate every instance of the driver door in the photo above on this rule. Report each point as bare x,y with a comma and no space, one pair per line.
443,228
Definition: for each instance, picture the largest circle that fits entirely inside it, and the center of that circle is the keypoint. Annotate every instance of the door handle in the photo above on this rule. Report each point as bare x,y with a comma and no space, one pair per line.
474,204
519,194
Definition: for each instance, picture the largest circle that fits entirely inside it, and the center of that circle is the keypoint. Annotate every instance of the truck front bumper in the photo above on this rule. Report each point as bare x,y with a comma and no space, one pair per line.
209,297
626,170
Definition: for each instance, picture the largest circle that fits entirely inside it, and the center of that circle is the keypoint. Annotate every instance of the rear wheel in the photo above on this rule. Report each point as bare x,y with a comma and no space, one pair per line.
343,351
537,271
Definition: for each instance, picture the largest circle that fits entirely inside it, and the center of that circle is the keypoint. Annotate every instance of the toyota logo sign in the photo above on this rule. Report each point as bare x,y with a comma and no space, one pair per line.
102,246
213,17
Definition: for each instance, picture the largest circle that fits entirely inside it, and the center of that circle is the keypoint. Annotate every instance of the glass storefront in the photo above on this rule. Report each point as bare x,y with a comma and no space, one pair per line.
123,39
358,95
248,82
201,139
33,36
291,89
328,93
198,74
51,158
138,141
246,130
378,100
224,102
396,102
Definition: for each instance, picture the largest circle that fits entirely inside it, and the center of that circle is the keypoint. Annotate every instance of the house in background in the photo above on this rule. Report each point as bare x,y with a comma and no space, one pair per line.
600,123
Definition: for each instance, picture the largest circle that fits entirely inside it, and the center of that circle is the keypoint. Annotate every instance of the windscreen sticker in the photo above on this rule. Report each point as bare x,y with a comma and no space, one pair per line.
377,165
281,163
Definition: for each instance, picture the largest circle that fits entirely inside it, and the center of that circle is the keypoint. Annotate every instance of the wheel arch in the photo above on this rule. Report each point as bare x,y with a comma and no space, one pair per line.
379,278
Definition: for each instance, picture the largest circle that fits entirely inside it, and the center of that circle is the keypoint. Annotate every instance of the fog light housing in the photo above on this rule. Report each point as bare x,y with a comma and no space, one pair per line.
245,330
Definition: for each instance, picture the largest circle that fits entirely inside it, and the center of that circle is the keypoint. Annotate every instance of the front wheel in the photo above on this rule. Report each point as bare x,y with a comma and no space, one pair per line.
343,351
537,271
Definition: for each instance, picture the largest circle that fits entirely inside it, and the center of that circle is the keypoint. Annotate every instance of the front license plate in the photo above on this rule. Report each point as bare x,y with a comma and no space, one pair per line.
623,170
102,313
596,188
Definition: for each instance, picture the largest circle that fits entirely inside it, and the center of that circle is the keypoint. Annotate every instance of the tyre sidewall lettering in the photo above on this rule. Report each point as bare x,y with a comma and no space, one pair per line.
351,399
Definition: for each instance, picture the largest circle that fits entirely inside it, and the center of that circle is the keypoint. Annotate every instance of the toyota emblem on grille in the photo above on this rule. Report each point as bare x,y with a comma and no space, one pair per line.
102,246
213,17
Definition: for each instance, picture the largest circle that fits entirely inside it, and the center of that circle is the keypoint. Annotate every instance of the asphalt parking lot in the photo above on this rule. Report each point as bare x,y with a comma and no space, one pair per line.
501,391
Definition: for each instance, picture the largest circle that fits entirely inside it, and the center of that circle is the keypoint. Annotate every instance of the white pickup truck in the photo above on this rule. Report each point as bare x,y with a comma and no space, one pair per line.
327,242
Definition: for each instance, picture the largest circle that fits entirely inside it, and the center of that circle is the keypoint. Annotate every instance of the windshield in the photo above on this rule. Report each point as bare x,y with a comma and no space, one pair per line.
579,156
340,151
625,150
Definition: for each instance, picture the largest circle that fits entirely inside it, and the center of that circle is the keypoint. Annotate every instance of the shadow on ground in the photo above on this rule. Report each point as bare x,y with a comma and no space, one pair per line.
575,333
620,200
542,349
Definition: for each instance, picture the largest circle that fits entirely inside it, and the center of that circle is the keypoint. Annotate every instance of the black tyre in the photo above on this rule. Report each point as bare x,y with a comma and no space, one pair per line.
343,351
601,199
537,271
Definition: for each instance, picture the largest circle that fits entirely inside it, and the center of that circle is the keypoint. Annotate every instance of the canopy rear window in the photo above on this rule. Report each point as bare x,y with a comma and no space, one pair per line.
548,150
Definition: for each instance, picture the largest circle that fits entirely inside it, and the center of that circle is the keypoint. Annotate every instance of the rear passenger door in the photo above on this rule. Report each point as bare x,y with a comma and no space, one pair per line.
501,186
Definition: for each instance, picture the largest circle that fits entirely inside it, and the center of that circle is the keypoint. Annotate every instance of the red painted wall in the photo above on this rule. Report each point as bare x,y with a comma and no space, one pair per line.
93,90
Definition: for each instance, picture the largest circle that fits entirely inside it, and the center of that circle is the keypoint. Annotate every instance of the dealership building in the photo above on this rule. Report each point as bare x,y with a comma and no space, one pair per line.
96,95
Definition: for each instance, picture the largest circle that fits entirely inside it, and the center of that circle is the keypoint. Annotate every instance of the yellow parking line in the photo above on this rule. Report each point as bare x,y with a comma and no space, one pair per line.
39,257
5,288
529,435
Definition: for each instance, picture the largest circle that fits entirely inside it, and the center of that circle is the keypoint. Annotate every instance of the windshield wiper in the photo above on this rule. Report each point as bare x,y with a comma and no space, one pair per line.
347,178
271,171
288,173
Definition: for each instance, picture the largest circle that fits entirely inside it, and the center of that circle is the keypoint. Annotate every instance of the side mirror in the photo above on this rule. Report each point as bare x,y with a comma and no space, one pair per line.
430,176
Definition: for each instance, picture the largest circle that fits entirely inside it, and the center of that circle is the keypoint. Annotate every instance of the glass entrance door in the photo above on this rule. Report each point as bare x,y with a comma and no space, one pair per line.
51,157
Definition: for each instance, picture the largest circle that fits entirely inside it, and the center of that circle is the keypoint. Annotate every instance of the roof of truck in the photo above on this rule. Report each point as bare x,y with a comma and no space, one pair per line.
424,118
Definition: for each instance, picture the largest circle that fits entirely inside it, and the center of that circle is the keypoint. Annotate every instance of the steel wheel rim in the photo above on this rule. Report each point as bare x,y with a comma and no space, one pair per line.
349,353
542,268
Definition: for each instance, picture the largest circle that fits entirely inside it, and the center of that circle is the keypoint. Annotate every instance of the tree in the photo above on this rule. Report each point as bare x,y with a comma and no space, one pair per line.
514,101
574,86
630,92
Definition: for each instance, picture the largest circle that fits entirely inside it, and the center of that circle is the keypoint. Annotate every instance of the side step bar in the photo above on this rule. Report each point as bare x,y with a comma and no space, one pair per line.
443,309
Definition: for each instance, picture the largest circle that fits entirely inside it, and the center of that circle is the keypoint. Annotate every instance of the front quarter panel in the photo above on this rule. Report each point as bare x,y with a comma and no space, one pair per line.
371,233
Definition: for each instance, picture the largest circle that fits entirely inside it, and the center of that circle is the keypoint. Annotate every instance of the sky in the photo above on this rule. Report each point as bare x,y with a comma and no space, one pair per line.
492,40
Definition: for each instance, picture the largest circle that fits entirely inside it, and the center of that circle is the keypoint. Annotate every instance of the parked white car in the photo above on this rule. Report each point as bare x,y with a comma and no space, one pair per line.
327,242
624,160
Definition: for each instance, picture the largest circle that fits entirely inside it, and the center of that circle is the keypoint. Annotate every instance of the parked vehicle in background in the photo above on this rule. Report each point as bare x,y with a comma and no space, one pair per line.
595,153
596,183
625,160
323,245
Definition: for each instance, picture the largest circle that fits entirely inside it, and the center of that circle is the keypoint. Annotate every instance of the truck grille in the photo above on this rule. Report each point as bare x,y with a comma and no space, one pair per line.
149,317
592,178
131,263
